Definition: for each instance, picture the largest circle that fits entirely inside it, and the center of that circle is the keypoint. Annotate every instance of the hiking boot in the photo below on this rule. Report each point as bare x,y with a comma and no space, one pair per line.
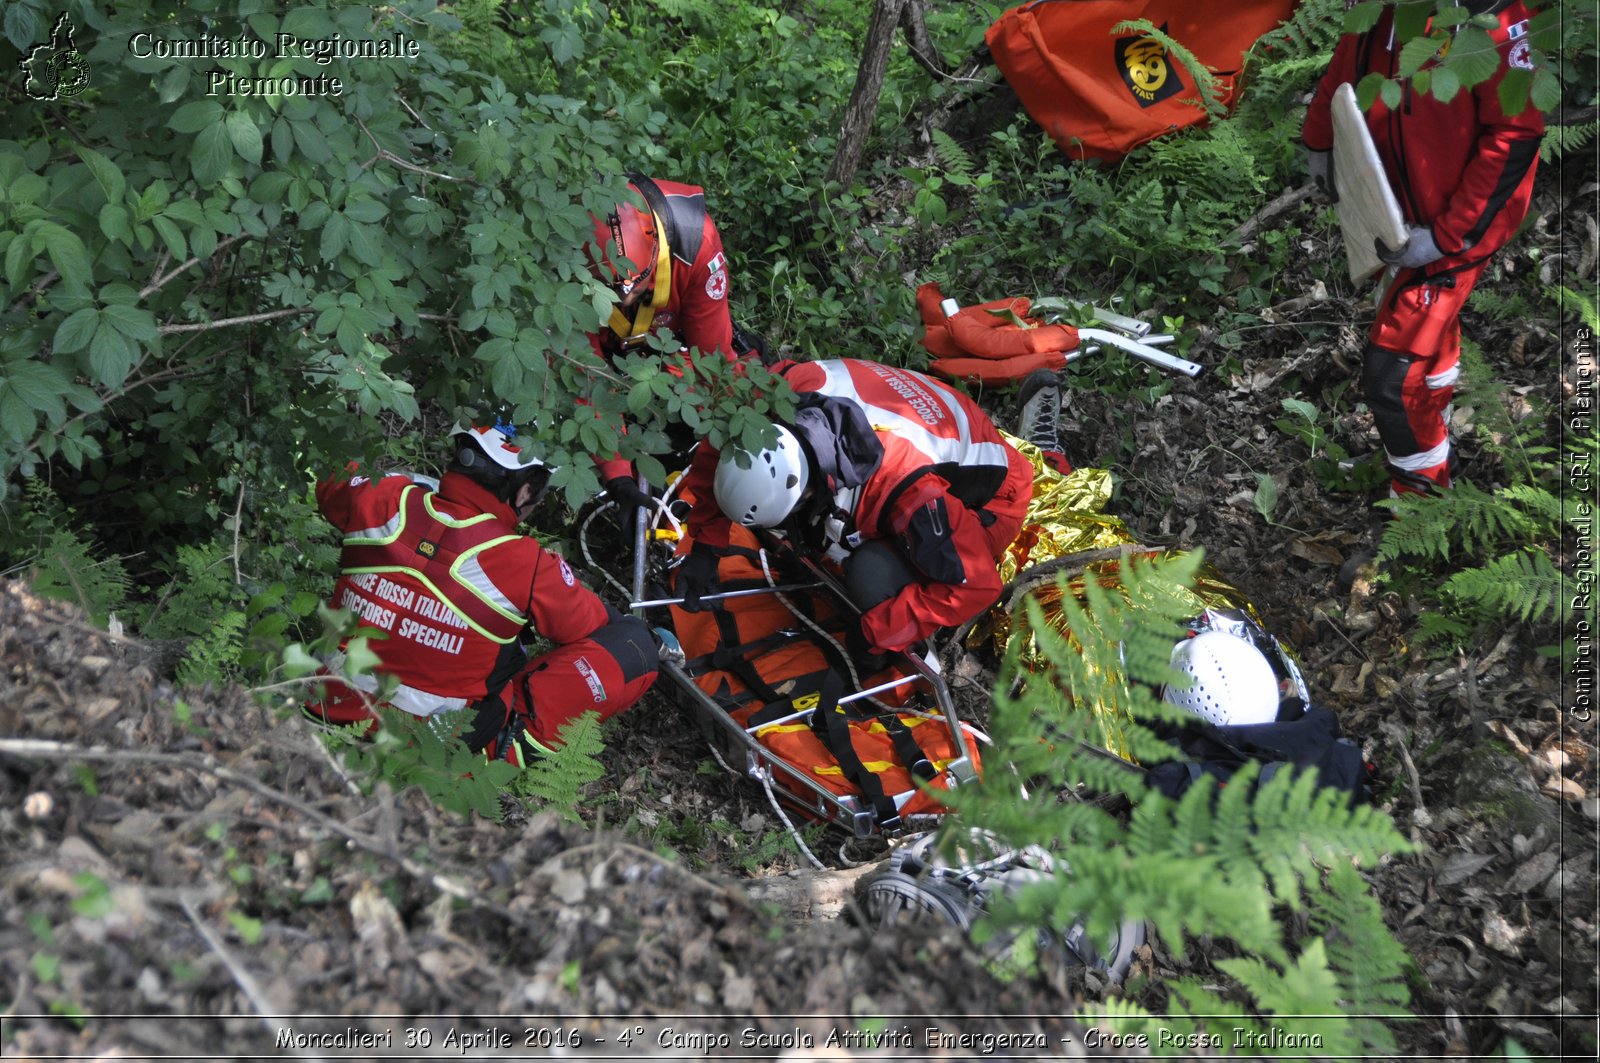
1039,410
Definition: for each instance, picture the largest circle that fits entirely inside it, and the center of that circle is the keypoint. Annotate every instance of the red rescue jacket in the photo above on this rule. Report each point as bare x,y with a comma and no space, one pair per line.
1464,168
697,307
448,579
889,443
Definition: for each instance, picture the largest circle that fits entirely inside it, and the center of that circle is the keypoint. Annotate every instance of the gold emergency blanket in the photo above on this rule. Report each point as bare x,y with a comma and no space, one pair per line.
1066,518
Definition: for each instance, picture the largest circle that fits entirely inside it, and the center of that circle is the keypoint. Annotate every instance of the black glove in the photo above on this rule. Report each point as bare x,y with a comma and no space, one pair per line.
488,724
626,493
697,576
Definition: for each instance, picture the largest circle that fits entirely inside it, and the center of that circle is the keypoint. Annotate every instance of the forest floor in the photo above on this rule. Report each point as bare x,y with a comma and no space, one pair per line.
204,857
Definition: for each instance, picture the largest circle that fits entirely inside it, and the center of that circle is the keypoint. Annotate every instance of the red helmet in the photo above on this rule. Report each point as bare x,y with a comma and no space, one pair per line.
625,247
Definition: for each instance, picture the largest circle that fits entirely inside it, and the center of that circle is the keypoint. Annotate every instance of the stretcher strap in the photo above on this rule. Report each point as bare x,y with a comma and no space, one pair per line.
832,726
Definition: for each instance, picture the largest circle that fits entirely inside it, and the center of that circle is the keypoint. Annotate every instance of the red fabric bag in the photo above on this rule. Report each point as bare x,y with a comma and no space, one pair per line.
1100,96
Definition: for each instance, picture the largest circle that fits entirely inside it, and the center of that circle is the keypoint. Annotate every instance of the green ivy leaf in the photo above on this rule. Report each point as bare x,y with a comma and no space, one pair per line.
249,928
174,83
76,331
65,250
16,417
39,385
21,27
1546,95
114,224
1367,90
1445,84
196,116
110,355
335,235
365,210
359,658
1266,499
1415,52
1514,90
245,135
211,154
297,663
270,186
106,174
172,236
1473,56
136,324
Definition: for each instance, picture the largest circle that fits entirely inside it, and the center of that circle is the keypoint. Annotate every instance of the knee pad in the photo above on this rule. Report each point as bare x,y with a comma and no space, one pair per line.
876,572
1383,378
627,639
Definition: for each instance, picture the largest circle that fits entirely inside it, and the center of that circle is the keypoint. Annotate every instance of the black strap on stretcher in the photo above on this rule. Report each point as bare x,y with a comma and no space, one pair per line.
830,721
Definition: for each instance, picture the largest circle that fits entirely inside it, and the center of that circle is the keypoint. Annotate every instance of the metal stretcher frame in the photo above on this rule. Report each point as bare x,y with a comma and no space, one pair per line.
739,748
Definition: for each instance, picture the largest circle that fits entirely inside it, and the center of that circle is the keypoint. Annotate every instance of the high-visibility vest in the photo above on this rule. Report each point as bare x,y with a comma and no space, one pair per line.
418,577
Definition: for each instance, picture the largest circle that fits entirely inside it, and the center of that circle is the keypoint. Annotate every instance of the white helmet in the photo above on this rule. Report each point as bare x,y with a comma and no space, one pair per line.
764,492
1230,681
508,466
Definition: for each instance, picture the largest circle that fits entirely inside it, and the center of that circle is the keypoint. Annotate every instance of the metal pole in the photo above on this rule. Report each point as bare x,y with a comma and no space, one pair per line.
1144,353
726,594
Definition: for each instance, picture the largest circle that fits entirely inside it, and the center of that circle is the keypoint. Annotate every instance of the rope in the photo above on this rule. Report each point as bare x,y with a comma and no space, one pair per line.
844,654
765,775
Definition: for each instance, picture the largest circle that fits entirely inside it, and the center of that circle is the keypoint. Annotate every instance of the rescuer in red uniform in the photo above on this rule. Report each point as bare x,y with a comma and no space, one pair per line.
899,477
446,577
666,263
1463,174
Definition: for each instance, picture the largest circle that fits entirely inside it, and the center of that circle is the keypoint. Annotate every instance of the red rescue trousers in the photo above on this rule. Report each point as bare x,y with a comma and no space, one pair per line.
1412,362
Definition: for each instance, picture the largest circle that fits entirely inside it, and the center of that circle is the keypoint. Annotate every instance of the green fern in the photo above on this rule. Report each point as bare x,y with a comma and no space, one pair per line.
1308,35
1201,76
1561,140
199,587
557,779
952,155
1463,522
1580,304
1446,629
1523,586
214,656
428,753
1370,964
62,556
1520,443
1221,166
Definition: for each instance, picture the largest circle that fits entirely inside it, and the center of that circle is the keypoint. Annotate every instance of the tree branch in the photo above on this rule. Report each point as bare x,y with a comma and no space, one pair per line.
159,282
265,1009
863,104
43,283
388,156
248,319
914,22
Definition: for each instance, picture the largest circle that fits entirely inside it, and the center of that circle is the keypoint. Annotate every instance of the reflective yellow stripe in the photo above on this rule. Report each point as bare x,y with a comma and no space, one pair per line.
874,766
445,518
448,604
399,525
470,557
783,728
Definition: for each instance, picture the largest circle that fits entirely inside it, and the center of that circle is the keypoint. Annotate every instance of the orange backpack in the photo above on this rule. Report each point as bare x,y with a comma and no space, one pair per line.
1100,96
761,663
